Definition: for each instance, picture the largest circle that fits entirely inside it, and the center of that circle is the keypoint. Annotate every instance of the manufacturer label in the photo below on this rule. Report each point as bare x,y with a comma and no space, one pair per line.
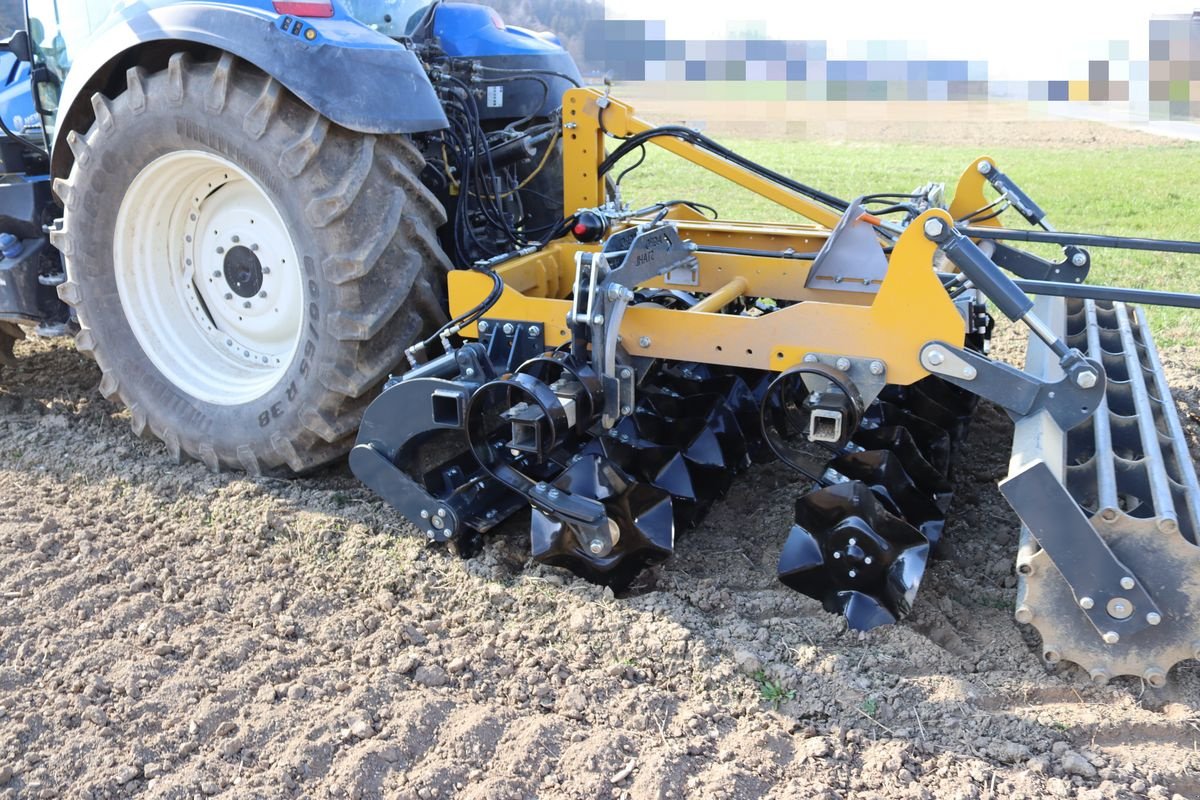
495,96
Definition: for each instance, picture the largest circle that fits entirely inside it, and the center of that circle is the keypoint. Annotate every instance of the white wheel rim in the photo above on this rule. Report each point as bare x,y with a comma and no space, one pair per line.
208,277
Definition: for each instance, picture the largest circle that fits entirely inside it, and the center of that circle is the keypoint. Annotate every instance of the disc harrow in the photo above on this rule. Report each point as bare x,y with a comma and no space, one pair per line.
615,378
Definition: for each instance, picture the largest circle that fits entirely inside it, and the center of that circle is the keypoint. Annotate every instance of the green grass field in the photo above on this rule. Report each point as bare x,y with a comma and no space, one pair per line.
1131,191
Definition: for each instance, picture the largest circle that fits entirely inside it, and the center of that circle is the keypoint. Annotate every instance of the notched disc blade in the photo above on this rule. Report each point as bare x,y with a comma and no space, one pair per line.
849,552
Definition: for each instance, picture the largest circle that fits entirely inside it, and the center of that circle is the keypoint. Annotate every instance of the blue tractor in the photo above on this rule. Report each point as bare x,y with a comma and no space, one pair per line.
245,211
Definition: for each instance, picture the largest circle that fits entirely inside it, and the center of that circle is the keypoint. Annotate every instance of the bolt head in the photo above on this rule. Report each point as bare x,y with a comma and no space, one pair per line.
228,295
254,247
934,228
985,167
483,325
811,358
236,239
438,523
644,341
843,364
1079,259
469,372
441,512
1112,637
868,560
853,573
246,304
626,411
1085,379
1086,603
969,372
1024,615
216,273
534,330
837,554
508,329
1127,583
598,319
876,368
220,250
262,294
1153,618
596,546
424,514
936,357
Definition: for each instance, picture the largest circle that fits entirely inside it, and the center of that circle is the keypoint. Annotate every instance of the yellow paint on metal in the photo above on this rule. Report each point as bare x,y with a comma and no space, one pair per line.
969,195
910,309
583,150
721,297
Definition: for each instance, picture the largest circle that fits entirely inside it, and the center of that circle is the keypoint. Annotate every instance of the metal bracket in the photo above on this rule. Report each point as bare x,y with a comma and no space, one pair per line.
512,341
1069,401
869,375
1073,268
1111,596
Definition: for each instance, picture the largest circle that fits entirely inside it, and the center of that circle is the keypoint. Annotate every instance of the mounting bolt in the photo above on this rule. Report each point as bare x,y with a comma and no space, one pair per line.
1024,615
441,512
541,487
626,373
553,494
598,319
969,372
876,368
438,523
843,364
235,239
1127,583
934,228
424,514
534,330
1156,677
868,560
1112,637
644,341
228,295
216,273
254,247
1153,618
483,325
935,357
1119,608
1085,379
220,250
266,270
985,167
1086,603
811,358
1079,259
596,546
1100,676
263,293
853,573
246,304
508,329
626,411
837,554
469,372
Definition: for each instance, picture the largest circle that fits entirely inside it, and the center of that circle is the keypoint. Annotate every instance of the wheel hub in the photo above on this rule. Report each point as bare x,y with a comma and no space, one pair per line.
243,271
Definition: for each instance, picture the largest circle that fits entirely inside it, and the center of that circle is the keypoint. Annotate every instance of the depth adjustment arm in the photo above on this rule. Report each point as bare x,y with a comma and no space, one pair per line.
1070,401
1076,261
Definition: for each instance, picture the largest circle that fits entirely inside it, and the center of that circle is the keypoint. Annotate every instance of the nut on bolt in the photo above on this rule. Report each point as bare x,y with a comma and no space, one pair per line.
1153,618
596,546
1086,603
644,341
985,167
1112,637
1085,379
934,228
843,364
876,368
1079,259
935,357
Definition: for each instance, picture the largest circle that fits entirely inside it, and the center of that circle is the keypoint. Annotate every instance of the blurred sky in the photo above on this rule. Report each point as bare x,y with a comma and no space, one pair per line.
1020,39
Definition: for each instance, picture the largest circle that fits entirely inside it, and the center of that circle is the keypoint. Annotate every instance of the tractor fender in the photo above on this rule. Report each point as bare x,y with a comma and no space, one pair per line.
358,78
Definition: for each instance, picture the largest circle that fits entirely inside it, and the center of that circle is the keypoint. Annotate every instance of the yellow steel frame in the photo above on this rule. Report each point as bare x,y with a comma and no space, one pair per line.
906,310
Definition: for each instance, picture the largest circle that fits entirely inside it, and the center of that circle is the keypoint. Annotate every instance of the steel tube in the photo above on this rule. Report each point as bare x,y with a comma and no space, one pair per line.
1106,475
1082,240
723,296
1160,487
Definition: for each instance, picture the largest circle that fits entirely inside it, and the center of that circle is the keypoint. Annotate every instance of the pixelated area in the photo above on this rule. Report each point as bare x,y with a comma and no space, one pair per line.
1165,86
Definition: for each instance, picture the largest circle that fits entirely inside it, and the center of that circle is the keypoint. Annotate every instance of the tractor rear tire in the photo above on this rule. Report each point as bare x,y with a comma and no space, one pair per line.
245,272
